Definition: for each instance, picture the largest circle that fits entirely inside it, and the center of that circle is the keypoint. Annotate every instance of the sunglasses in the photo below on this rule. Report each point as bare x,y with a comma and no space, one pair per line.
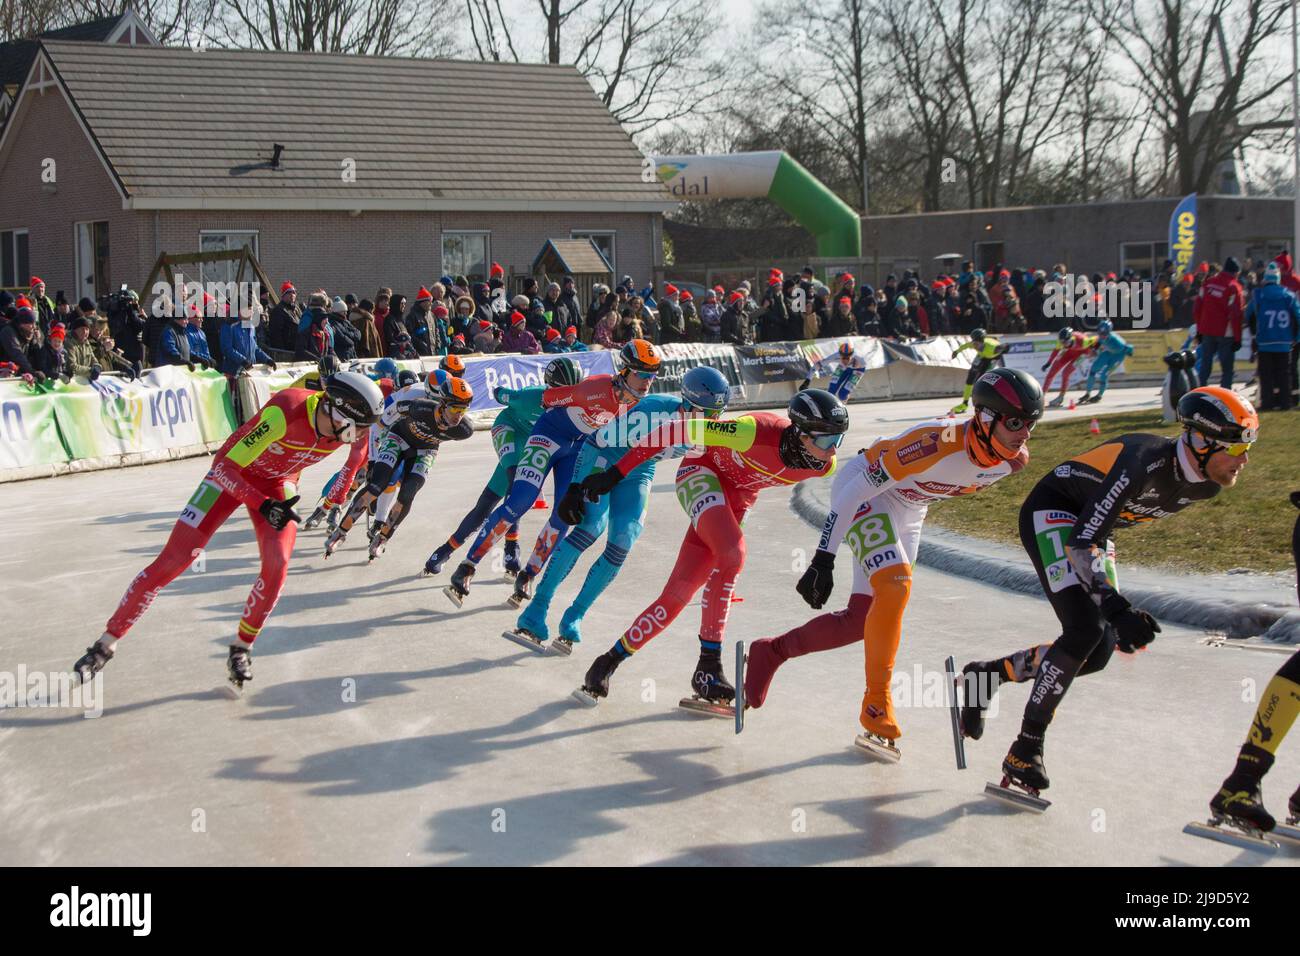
1017,424
1236,450
647,376
827,442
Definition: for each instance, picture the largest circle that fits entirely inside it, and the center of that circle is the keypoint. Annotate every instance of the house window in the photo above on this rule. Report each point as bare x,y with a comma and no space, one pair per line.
214,240
15,269
466,254
92,259
1144,258
988,255
604,241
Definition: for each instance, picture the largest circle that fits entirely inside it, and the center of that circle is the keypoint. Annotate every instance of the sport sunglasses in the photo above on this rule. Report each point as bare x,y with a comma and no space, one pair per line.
827,442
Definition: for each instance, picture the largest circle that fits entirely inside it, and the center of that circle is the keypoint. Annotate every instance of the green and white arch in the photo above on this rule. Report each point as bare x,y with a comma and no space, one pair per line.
768,175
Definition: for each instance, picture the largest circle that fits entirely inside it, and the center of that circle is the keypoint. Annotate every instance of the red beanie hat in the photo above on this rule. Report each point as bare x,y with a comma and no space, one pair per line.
287,287
22,302
458,338
719,289
424,295
484,325
571,330
36,280
496,271
736,297
686,296
57,331
774,280
670,289
516,318
552,334
440,311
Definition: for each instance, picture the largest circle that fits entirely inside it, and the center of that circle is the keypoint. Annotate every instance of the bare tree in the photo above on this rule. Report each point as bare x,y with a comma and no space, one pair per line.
367,27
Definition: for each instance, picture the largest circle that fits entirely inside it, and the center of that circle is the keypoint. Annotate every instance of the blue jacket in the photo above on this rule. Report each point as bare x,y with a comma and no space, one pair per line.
174,345
239,347
198,344
1273,315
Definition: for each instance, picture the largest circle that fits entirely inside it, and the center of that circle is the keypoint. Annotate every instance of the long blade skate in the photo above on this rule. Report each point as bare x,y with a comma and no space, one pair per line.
1013,794
525,638
879,747
560,647
1288,833
739,702
1222,831
585,697
709,708
954,711
455,596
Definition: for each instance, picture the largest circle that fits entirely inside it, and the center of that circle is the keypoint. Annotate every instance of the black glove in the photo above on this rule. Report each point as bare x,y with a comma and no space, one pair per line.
817,582
95,372
204,364
40,377
1045,364
278,514
1135,629
571,507
131,373
190,366
270,364
601,483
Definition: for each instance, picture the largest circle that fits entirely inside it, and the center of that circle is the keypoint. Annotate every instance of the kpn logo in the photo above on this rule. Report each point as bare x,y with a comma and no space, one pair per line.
122,415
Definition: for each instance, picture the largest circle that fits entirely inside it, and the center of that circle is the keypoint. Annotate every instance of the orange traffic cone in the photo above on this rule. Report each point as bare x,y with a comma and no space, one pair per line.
1073,405
540,504
1094,428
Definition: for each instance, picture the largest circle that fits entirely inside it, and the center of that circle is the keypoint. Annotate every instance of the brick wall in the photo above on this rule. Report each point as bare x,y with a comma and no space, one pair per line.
84,191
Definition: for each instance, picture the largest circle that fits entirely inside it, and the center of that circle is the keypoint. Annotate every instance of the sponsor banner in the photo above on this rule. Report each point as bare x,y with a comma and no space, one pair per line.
29,434
680,358
1182,236
523,371
772,362
935,351
824,354
1031,353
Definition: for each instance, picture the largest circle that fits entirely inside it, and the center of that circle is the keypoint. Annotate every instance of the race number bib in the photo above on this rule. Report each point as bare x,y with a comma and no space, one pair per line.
535,460
874,542
1051,530
698,490
503,441
200,503
390,450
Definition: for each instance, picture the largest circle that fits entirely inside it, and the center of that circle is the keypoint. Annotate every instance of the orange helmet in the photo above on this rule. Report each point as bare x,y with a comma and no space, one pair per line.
452,364
447,388
1221,419
639,355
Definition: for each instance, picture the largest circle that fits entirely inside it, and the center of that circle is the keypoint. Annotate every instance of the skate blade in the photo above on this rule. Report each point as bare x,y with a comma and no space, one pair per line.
514,601
584,698
878,747
954,712
228,689
1227,833
510,574
1015,797
1287,833
454,596
709,708
524,639
560,648
739,702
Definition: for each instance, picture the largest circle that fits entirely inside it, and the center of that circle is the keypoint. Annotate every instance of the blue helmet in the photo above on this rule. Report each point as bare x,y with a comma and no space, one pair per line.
1104,327
705,388
384,368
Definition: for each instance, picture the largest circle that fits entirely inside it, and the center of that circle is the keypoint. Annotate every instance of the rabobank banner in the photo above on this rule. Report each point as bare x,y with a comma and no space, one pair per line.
524,371
1182,235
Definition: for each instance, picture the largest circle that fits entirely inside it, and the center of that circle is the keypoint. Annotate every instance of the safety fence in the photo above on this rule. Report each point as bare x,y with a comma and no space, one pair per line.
170,412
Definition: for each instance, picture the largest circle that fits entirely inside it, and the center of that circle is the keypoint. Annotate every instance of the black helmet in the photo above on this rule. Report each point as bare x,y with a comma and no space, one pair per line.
1009,393
562,371
1065,333
977,335
355,397
328,364
815,411
406,377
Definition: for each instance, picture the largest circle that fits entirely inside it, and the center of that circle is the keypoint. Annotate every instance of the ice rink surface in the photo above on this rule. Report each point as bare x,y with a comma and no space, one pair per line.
385,727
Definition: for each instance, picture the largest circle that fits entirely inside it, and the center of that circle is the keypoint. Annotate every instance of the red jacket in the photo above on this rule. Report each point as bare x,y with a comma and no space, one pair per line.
1289,279
1219,305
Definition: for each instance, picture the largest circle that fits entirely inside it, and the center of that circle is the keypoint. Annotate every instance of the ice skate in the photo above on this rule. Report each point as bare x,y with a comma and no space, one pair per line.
316,517
91,662
955,704
880,729
595,684
378,541
239,670
336,538
435,562
458,589
760,667
1238,818
713,693
525,637
561,647
1056,402
1023,776
512,566
523,589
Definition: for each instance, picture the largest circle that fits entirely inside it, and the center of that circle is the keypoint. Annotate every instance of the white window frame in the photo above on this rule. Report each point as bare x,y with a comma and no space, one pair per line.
19,279
256,244
1151,249
613,245
487,249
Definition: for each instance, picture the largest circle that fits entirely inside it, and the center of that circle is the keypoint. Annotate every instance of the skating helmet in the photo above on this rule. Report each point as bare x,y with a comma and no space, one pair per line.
1007,395
705,388
1105,327
820,415
977,335
352,398
846,351
640,355
444,387
452,365
406,377
1217,419
562,371
384,368
1065,334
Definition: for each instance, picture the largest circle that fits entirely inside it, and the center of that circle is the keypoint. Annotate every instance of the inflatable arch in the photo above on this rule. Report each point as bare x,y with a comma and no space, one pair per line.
768,175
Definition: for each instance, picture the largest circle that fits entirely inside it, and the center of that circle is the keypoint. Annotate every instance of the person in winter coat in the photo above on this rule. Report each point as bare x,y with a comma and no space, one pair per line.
200,354
569,299
672,323
735,323
239,348
419,322
282,332
488,337
400,347
20,345
554,344
603,333
518,338
458,345
571,340
537,321
174,344
81,351
42,305
1218,317
346,335
314,339
395,322
52,358
381,310
362,318
710,318
464,319
1273,315
554,309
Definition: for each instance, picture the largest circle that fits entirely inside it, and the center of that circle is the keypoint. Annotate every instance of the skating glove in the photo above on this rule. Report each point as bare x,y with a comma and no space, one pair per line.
278,514
95,372
1134,629
272,366
601,483
817,582
571,508
1045,364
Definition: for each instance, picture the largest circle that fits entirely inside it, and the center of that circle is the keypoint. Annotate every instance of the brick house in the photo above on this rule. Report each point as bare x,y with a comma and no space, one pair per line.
390,171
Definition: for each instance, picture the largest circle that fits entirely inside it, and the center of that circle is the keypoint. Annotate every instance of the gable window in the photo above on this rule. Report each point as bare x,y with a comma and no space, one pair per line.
15,268
466,254
604,240
222,240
